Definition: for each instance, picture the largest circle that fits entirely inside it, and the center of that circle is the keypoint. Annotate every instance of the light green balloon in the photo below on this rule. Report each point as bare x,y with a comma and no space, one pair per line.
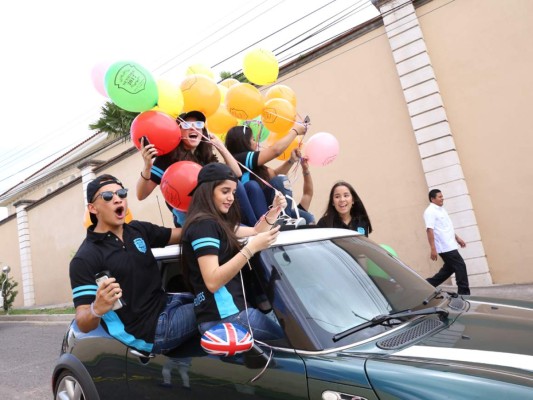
389,249
131,87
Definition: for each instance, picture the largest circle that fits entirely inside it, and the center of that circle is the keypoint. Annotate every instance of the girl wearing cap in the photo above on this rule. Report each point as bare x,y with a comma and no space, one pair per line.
192,147
241,144
213,255
345,210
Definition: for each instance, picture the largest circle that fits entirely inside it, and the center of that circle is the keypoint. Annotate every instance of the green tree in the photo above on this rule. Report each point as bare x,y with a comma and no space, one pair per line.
114,121
8,292
235,75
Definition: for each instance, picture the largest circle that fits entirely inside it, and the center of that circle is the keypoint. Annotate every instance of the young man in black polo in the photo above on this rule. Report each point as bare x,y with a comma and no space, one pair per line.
149,320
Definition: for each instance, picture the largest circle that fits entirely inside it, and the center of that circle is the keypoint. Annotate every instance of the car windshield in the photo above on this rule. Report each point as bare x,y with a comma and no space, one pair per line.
346,282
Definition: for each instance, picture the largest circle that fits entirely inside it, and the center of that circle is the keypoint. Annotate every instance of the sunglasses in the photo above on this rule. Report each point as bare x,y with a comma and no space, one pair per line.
192,124
108,194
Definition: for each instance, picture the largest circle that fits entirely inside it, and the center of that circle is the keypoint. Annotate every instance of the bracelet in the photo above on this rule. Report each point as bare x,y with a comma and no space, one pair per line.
244,255
306,173
248,252
142,176
290,161
294,129
94,313
266,220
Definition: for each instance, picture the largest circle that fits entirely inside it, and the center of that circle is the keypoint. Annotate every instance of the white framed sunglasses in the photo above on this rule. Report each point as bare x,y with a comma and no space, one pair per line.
192,124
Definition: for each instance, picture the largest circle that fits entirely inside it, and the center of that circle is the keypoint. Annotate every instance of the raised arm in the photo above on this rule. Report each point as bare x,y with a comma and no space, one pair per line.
269,153
226,155
308,189
145,185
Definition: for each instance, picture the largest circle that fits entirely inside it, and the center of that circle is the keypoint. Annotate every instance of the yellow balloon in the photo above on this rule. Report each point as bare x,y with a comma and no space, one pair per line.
199,69
274,137
244,101
281,92
87,218
260,67
221,121
278,115
223,91
170,97
229,82
200,94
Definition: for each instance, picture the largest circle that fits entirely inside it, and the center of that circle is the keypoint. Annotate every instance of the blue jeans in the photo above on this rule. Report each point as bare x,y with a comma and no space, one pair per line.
176,324
282,183
248,216
263,327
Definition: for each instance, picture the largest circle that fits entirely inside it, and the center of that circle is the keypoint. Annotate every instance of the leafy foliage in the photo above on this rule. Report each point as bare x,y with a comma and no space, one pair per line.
235,75
8,292
114,121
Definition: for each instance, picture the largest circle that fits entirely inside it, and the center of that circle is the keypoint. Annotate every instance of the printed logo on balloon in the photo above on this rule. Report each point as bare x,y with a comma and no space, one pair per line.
321,149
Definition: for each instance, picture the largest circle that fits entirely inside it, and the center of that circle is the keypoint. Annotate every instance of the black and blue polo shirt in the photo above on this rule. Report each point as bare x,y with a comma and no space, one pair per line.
133,265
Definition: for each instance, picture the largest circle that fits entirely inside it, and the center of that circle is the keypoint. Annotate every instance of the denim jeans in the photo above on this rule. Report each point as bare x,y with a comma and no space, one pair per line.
248,216
263,327
176,324
282,183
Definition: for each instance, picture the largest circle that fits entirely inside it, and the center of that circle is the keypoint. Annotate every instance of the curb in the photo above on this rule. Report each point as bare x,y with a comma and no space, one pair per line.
37,318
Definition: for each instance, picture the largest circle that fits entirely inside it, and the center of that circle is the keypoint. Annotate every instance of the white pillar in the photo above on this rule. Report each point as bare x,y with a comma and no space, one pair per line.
25,252
438,153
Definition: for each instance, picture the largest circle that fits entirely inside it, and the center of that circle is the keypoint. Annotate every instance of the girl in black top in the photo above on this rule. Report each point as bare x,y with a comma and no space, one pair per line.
345,210
213,255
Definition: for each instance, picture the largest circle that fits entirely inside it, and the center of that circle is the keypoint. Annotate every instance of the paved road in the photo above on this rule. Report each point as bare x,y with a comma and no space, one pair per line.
28,354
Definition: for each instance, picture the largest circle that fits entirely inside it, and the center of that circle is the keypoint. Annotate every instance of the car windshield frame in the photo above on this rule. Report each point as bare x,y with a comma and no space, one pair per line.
362,282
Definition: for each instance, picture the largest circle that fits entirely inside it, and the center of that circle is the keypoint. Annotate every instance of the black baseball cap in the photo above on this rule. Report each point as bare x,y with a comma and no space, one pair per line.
197,115
214,172
95,185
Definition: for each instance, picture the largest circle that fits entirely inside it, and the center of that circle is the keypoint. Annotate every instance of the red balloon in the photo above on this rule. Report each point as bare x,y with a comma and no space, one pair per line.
160,129
178,181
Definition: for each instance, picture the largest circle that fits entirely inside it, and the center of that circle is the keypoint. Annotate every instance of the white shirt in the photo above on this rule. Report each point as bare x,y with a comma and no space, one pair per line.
438,219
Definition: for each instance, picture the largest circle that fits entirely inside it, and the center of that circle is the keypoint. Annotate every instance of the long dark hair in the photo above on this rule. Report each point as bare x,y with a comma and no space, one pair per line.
357,212
203,154
238,141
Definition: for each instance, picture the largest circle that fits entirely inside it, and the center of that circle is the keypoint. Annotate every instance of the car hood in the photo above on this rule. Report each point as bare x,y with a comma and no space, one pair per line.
488,333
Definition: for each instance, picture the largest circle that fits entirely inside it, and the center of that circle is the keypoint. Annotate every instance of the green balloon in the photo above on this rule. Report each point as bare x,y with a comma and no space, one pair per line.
259,130
131,87
389,249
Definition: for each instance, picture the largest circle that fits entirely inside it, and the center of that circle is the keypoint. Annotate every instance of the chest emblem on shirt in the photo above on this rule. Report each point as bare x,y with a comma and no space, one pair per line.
139,243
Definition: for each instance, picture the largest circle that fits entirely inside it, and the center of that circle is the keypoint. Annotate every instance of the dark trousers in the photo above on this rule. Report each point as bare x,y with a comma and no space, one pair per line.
453,264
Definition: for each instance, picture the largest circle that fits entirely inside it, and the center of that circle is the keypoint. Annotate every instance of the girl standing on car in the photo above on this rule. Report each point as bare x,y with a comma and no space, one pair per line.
192,147
213,254
345,210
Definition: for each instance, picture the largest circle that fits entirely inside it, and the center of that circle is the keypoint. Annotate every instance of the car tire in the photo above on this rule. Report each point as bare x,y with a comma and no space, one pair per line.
69,387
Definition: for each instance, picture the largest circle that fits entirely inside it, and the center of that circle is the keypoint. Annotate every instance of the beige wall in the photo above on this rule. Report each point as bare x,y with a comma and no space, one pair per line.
482,58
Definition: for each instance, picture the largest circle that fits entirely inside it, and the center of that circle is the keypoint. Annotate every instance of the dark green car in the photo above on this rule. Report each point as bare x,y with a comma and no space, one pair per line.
358,323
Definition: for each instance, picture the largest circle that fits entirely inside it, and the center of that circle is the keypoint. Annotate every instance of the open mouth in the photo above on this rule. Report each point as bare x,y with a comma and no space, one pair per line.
120,212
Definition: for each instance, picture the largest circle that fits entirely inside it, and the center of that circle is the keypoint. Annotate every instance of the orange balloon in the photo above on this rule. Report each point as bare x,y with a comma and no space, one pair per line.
229,82
281,92
221,121
87,218
278,115
287,152
200,94
244,101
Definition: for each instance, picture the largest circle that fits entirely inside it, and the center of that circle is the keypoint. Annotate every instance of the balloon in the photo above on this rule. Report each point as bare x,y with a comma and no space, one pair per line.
223,91
178,181
260,132
389,249
278,115
229,82
161,130
221,121
260,67
287,152
98,77
244,101
170,97
200,94
281,92
87,217
200,69
321,149
130,86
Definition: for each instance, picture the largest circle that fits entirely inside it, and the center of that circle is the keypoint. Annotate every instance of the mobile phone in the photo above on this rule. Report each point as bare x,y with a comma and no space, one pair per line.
279,222
100,277
307,120
145,142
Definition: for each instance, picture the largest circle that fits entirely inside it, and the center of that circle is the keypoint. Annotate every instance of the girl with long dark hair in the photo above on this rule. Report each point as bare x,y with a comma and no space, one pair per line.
345,210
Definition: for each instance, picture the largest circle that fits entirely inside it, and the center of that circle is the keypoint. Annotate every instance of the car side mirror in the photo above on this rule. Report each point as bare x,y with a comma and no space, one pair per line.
256,358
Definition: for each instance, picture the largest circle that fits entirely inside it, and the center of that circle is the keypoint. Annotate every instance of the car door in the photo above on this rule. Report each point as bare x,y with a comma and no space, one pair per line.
190,373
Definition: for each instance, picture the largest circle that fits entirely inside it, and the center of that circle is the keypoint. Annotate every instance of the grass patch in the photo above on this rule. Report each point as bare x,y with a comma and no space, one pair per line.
47,311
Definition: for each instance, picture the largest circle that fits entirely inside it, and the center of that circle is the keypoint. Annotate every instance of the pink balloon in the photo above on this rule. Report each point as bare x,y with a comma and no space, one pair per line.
321,149
98,77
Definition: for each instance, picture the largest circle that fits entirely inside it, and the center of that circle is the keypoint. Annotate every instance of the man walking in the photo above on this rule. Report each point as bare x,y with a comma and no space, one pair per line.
443,241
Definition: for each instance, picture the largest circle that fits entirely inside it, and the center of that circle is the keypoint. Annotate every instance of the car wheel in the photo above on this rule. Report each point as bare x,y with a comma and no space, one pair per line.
68,387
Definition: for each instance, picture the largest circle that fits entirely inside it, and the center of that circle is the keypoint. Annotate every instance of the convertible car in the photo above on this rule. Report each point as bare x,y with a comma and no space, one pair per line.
358,324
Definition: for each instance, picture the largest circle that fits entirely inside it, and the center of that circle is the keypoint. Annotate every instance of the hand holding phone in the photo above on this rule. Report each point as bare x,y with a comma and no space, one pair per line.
100,278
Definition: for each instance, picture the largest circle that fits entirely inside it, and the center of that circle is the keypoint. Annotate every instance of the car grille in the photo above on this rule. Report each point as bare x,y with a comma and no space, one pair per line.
410,335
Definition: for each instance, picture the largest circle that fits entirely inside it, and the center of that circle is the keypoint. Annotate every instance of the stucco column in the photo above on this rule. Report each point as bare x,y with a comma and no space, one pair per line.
25,251
433,134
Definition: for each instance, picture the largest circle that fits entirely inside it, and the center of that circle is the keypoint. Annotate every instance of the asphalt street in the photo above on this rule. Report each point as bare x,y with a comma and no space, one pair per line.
29,352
